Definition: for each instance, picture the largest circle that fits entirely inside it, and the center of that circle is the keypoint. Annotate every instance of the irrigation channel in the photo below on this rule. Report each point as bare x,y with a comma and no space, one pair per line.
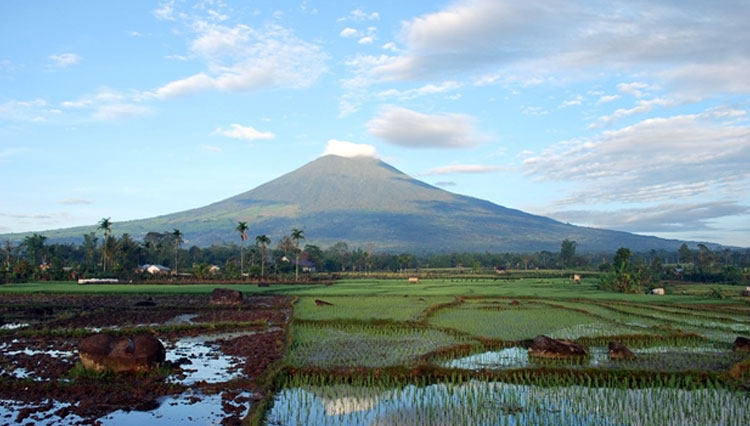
381,353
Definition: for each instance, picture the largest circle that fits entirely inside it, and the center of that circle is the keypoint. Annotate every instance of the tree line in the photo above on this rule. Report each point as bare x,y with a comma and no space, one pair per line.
103,254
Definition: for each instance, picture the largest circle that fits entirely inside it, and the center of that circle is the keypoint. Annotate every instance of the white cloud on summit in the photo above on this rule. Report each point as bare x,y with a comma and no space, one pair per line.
350,149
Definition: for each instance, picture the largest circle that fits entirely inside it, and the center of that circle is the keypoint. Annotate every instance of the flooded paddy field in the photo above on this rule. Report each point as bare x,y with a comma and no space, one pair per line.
381,352
215,358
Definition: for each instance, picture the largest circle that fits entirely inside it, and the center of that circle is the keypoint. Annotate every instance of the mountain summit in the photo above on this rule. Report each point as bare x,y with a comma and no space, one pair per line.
364,201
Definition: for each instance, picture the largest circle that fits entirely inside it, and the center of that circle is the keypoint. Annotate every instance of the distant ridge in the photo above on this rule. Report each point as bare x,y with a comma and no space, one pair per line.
366,202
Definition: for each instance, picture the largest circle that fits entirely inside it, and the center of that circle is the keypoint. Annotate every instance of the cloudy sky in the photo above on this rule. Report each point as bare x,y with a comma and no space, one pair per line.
630,115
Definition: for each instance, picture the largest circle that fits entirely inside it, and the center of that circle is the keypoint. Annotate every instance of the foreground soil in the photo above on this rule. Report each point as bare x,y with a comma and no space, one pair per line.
39,369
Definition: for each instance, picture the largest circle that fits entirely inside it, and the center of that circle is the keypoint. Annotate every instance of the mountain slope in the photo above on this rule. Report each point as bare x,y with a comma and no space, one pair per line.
365,201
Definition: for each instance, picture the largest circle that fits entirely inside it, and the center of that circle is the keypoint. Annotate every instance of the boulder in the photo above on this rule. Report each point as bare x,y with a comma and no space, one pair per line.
742,344
546,347
619,351
146,303
226,296
119,354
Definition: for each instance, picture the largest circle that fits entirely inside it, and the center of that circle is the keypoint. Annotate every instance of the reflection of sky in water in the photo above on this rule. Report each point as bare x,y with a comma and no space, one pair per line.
13,325
517,357
483,403
209,363
173,410
9,412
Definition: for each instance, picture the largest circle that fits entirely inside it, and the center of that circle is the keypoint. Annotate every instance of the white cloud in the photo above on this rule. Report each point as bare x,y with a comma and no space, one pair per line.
607,98
445,183
165,11
241,58
349,149
239,131
428,89
633,89
366,40
668,217
464,169
211,148
690,46
359,15
64,59
349,33
405,127
120,111
656,159
74,201
577,100
35,110
642,107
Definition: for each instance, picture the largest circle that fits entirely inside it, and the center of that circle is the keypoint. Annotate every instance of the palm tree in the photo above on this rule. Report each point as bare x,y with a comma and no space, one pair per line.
177,235
242,229
262,241
105,225
297,234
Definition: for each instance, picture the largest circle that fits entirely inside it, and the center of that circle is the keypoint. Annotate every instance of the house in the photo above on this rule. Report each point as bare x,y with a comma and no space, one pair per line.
576,278
213,269
413,280
500,270
305,264
154,269
659,291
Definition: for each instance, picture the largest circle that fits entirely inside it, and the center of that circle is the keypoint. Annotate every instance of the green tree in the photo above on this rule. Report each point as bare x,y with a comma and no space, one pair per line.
297,235
177,237
242,229
33,248
567,252
624,278
89,248
105,225
686,256
263,241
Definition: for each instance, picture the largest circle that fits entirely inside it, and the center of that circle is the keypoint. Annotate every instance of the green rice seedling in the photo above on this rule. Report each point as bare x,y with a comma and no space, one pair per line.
479,402
354,345
396,308
524,322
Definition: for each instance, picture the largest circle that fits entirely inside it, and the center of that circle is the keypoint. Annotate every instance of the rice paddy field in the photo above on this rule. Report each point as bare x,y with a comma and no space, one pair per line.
455,351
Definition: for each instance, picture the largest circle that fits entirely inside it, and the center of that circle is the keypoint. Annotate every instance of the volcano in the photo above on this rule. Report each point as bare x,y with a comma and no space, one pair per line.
367,203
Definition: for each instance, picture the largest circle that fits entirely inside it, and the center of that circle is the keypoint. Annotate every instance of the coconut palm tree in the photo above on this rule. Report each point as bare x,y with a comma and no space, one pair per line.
263,241
105,225
177,236
297,234
242,229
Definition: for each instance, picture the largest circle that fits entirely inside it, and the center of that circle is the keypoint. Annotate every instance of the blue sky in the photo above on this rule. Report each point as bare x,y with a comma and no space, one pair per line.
628,115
